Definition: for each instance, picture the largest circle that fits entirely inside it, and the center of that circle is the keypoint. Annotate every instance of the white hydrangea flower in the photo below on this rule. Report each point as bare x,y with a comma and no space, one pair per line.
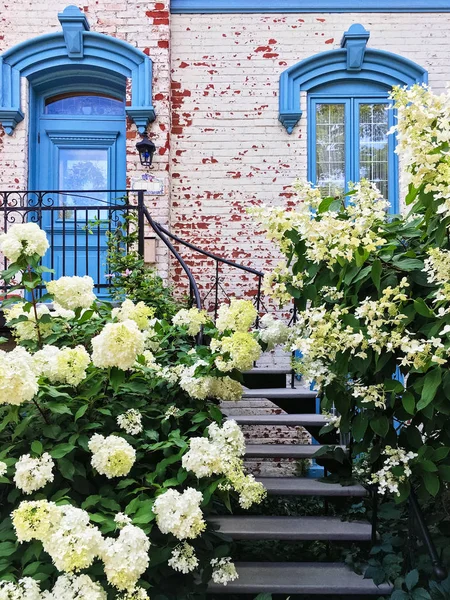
180,514
35,520
118,345
183,558
18,381
272,331
387,480
24,239
131,421
228,438
63,313
3,468
75,587
370,394
126,558
141,314
224,570
28,330
72,292
193,318
203,458
111,456
66,365
241,347
25,589
236,316
33,473
74,544
121,519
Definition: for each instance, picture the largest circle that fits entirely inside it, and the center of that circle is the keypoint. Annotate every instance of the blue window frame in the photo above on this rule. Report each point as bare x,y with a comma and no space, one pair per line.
348,140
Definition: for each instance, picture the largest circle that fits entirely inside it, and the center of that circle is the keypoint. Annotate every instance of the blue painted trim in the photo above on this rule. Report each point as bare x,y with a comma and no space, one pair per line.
384,68
51,55
308,6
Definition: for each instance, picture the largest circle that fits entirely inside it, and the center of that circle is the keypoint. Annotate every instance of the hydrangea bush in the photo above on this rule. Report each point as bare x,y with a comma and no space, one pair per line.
373,297
113,450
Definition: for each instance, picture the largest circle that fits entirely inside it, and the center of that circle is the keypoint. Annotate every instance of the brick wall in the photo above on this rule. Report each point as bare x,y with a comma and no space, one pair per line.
228,149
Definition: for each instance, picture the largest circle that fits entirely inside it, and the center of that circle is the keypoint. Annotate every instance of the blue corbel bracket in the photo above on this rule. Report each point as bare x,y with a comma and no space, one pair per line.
289,119
355,41
9,118
141,115
73,23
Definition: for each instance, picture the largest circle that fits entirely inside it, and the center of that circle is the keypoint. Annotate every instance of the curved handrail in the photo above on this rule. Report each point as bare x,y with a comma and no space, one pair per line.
160,233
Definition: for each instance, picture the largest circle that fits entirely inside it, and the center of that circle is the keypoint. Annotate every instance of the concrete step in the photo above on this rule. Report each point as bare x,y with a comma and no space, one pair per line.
298,451
268,371
281,419
279,393
292,528
299,578
303,486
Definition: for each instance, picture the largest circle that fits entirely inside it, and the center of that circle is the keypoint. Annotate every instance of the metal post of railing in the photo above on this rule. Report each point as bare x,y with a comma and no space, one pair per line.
374,514
439,570
141,208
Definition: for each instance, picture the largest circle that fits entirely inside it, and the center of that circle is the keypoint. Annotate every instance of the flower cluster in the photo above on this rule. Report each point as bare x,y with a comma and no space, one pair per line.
370,394
141,314
66,365
33,473
130,421
25,589
241,348
276,282
224,570
192,318
239,315
111,456
203,387
179,513
75,587
272,331
27,328
183,558
72,292
25,239
396,470
18,381
437,268
118,345
221,454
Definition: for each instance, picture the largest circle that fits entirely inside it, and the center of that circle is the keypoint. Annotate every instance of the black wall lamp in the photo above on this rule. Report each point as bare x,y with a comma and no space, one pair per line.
146,149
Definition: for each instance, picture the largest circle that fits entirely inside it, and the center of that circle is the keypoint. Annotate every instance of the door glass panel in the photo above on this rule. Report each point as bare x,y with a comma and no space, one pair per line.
85,105
373,145
83,169
330,148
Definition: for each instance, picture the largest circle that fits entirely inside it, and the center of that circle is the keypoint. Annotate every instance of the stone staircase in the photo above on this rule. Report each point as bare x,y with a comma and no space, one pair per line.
280,413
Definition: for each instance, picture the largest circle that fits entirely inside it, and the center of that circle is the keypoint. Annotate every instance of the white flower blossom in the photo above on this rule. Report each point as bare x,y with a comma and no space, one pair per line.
117,345
192,318
224,570
75,587
272,331
35,520
183,558
141,314
387,480
72,292
130,421
66,365
3,468
25,589
24,239
33,473
179,513
111,456
236,316
18,381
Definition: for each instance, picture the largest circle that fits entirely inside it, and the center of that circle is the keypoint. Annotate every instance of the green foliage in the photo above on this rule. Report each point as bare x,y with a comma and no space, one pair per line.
131,277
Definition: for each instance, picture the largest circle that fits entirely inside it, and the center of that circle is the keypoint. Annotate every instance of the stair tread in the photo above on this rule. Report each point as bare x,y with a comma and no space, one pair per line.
304,486
280,419
292,528
269,371
282,450
279,393
301,578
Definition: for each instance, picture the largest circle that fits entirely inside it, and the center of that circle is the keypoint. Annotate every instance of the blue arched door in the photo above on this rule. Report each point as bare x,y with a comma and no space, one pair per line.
79,156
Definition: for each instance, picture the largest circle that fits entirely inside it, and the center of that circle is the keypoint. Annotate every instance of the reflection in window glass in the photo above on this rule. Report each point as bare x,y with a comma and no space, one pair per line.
330,148
373,145
85,105
83,169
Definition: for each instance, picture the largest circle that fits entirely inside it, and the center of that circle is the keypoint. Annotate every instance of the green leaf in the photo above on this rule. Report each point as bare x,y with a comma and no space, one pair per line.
412,579
409,403
428,466
58,408
380,425
376,273
422,308
359,426
37,447
420,594
444,472
431,383
431,482
81,411
7,548
66,468
408,264
399,595
61,450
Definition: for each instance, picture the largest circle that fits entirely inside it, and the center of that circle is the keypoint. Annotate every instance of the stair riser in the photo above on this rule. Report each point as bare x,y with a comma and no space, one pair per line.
289,537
